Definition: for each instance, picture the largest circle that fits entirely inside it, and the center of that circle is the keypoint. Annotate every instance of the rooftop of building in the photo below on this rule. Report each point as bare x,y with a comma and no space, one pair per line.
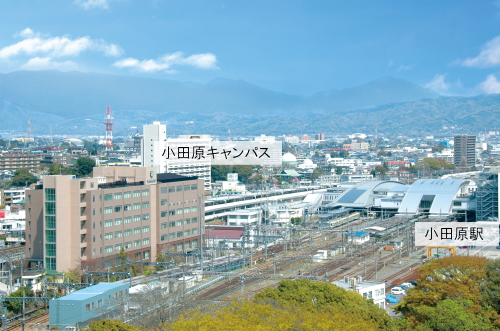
92,291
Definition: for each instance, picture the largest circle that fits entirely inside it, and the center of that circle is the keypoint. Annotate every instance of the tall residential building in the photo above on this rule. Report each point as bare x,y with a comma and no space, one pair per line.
154,144
192,164
465,151
487,195
71,222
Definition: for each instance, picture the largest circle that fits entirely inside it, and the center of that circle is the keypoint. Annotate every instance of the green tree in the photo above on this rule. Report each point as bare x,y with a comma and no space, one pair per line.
110,325
452,315
17,306
317,172
344,154
319,295
84,166
490,289
338,170
59,169
22,176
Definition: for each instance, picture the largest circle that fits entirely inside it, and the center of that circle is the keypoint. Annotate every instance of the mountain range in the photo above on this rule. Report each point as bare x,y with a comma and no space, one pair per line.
75,103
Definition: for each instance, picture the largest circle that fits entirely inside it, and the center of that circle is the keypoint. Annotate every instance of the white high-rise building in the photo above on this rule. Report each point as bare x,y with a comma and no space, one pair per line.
154,144
193,164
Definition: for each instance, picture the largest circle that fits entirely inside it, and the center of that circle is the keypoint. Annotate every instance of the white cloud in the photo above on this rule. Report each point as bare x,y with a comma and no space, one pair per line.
403,67
489,55
490,85
46,63
33,44
438,84
164,63
91,4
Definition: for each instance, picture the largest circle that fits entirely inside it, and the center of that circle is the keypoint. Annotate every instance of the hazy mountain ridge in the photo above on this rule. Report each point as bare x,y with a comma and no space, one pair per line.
74,103
69,94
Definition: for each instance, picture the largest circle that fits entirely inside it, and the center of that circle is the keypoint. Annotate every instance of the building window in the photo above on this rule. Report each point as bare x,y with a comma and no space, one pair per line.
179,223
179,234
171,212
145,217
50,208
145,205
137,206
193,209
50,263
164,237
163,214
145,229
118,234
145,241
50,249
50,194
108,249
194,243
118,221
137,231
171,224
127,220
108,197
137,243
186,187
50,236
127,233
163,190
118,209
145,255
128,245
50,222
108,210
137,218
108,223
171,189
186,210
172,235
163,202
145,193
118,196
127,195
194,231
179,211
187,221
179,247
108,236
164,225
118,247
178,188
194,186
187,233
137,194
127,207
194,220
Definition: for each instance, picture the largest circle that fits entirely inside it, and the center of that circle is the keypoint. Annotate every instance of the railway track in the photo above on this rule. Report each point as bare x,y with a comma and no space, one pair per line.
31,323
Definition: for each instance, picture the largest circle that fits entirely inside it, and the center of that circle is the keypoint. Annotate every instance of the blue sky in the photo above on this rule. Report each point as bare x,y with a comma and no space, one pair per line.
296,47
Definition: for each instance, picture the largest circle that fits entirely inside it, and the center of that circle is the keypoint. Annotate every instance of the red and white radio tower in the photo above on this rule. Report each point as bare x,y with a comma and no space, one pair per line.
109,129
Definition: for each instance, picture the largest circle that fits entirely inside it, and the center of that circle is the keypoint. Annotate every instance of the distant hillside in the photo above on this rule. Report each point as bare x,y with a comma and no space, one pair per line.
76,94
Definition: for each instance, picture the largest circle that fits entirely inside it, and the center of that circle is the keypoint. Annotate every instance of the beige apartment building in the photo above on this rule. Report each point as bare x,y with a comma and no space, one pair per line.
72,222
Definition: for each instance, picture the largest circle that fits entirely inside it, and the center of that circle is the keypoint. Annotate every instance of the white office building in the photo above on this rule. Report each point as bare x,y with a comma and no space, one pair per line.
193,165
154,144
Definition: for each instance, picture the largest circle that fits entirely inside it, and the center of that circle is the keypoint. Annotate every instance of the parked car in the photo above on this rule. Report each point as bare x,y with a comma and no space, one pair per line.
409,285
498,247
397,290
413,282
404,287
462,246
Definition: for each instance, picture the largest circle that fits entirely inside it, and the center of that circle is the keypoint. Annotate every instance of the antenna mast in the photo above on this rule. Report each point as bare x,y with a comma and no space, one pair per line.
109,129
